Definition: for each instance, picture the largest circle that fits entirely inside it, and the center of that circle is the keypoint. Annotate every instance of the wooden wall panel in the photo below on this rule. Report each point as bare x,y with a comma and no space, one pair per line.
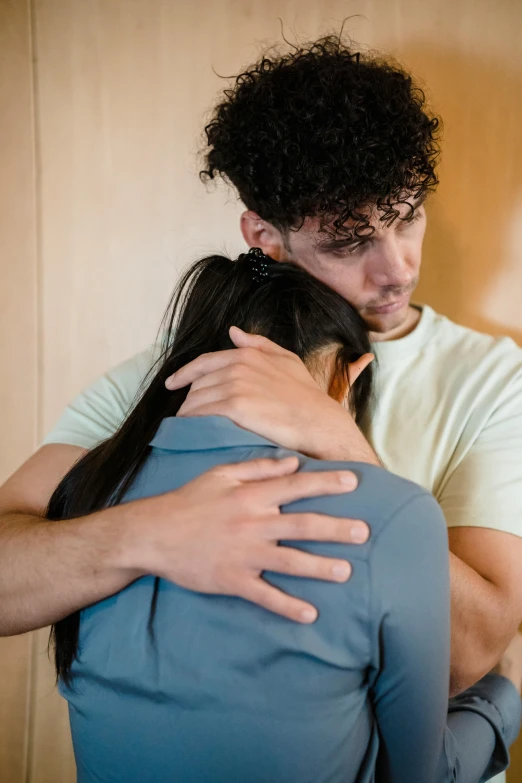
18,341
123,87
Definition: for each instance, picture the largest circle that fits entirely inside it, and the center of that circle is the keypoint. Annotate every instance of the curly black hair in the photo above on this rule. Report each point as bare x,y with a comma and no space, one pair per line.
324,131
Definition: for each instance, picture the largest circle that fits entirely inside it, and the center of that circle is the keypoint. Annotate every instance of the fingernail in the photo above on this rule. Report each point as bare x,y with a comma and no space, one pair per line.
360,533
350,479
342,571
308,615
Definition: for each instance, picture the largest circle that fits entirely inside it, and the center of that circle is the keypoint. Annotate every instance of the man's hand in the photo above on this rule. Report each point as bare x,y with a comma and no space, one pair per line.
268,390
219,532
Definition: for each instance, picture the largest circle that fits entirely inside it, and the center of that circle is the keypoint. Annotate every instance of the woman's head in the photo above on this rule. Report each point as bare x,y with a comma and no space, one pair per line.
277,300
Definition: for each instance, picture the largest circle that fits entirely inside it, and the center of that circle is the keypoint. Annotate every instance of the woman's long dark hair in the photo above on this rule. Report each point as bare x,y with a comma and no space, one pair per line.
277,300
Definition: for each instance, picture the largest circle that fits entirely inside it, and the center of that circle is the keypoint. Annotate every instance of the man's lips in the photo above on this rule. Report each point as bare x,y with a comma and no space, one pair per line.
391,307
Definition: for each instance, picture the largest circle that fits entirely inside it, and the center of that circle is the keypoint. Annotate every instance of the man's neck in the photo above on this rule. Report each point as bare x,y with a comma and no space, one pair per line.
402,330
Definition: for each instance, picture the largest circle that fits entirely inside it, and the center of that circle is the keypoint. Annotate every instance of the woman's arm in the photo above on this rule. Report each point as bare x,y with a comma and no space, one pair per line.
420,742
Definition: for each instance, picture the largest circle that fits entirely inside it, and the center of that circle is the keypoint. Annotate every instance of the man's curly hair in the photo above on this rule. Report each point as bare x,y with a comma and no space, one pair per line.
324,131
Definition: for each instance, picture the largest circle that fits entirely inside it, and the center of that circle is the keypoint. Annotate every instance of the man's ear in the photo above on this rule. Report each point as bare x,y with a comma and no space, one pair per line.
259,233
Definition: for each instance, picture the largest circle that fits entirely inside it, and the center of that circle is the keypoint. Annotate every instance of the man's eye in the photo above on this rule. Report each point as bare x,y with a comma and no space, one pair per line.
347,250
412,219
354,248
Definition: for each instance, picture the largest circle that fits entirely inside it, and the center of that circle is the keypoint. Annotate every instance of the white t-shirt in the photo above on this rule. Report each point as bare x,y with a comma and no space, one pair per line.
447,414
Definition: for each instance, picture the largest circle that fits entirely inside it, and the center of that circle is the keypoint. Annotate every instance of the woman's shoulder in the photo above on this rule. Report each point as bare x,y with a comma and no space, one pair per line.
379,498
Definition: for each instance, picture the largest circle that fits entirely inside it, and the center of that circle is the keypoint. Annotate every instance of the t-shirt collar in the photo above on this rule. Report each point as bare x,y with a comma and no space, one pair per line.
393,350
200,433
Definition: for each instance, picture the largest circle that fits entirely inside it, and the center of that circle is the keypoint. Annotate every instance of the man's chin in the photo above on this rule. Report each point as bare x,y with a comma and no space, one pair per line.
381,323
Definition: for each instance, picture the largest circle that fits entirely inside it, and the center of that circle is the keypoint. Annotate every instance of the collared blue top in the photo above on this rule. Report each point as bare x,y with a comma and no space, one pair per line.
230,693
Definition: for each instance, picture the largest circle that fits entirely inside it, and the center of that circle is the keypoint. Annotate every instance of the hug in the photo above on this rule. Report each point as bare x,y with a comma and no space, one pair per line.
284,543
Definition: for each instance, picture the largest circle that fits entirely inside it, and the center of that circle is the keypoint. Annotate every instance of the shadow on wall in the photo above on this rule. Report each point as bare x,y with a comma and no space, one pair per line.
469,270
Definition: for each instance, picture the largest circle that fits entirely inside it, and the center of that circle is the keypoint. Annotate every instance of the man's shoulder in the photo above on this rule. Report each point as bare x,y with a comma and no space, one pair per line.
98,410
466,352
452,335
134,370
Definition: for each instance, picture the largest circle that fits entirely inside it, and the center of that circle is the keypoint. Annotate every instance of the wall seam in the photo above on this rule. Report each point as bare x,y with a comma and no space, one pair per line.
38,355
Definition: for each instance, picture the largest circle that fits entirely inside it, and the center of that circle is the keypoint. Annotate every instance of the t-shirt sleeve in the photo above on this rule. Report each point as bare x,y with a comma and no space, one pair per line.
97,412
485,489
411,641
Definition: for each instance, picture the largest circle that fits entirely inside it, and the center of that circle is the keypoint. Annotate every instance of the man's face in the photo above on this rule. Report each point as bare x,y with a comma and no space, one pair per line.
376,275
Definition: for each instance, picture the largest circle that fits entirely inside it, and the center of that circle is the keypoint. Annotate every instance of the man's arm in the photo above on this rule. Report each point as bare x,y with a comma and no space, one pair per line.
50,569
481,497
486,600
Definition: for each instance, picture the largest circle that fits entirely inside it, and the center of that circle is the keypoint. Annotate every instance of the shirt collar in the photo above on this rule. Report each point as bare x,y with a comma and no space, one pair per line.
199,433
391,351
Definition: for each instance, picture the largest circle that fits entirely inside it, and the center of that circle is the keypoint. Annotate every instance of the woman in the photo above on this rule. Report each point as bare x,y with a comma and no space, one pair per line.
165,684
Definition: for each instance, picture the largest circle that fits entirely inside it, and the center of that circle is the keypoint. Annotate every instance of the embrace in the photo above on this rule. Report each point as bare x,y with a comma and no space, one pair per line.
284,544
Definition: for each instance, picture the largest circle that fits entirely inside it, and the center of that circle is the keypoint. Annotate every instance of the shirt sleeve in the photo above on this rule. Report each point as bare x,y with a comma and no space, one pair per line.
419,741
485,488
97,412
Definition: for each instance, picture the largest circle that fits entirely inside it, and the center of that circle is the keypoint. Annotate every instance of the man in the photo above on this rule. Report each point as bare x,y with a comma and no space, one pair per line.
333,155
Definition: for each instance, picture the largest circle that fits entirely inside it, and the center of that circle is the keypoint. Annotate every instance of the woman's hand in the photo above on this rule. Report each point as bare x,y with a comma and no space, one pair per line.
268,390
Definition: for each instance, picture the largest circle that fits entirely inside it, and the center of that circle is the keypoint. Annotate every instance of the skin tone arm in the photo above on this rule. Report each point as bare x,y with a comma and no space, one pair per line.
49,569
510,665
257,387
486,600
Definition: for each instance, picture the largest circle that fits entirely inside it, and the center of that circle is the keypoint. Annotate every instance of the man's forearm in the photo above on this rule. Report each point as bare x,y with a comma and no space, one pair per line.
50,569
347,444
480,625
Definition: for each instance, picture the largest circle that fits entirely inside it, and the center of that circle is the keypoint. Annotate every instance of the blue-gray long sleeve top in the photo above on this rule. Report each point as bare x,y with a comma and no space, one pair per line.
231,693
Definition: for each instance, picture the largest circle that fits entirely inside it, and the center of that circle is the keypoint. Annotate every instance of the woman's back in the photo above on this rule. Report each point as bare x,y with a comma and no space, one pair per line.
230,692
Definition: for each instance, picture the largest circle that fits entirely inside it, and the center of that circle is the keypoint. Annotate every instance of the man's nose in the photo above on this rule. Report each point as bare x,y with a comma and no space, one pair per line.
391,267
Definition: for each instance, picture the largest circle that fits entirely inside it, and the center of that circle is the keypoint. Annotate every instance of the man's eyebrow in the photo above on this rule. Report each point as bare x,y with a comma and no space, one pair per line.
419,201
334,244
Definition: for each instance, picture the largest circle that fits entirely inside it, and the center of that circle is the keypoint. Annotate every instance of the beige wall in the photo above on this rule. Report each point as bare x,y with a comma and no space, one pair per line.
102,103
